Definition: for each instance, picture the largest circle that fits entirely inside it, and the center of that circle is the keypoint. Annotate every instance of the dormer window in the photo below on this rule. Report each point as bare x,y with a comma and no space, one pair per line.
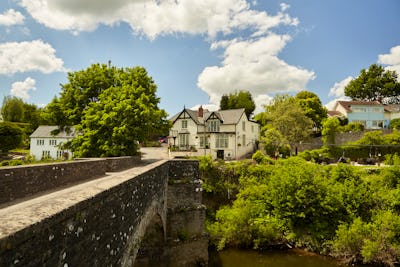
213,126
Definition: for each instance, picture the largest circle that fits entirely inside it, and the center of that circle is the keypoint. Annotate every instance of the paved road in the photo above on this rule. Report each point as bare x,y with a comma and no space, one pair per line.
150,154
154,153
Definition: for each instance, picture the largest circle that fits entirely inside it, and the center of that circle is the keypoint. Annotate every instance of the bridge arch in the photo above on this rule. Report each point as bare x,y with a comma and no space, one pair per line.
151,231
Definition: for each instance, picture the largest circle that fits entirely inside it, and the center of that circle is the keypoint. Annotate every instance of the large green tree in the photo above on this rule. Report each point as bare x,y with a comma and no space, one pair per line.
312,107
12,109
118,117
10,136
286,116
239,99
376,83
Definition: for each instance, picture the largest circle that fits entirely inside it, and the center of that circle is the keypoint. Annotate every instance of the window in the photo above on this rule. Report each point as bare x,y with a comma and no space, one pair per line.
243,126
203,141
376,110
53,142
59,154
222,141
184,124
252,128
377,124
213,126
183,140
358,109
45,154
40,142
244,140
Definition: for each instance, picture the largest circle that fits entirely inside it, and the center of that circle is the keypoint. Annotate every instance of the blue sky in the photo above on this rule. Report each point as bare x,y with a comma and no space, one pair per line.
196,51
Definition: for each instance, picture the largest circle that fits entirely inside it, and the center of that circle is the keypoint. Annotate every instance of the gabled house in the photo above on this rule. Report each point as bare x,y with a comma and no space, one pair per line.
371,114
47,141
224,134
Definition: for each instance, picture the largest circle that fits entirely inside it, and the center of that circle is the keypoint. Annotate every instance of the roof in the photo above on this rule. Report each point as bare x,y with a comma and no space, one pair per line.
334,113
192,114
392,108
229,116
44,131
348,104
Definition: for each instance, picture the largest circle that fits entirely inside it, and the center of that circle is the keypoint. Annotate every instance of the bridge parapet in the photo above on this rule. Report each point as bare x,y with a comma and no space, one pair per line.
102,222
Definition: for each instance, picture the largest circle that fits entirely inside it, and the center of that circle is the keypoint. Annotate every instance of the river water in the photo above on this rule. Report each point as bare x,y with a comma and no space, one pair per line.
288,258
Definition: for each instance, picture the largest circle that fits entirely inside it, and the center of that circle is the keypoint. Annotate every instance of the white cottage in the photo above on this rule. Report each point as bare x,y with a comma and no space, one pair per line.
46,142
224,134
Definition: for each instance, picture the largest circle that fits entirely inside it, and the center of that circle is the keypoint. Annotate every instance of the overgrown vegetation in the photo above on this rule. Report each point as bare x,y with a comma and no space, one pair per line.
340,210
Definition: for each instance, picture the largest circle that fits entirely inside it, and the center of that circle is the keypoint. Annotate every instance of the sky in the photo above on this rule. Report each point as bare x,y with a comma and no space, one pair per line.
198,50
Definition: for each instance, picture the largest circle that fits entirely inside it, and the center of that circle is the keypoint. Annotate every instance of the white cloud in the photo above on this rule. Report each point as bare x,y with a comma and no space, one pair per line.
210,107
253,65
11,17
392,60
21,89
156,17
261,101
29,56
338,88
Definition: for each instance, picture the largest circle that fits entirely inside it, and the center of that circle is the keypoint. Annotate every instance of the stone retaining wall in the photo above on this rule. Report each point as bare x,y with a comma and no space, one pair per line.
24,181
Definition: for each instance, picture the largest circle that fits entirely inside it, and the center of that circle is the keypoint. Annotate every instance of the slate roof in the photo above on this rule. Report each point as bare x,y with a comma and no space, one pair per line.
230,116
45,131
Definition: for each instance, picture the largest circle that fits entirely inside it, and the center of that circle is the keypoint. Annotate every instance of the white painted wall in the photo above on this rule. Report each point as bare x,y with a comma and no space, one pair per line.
37,148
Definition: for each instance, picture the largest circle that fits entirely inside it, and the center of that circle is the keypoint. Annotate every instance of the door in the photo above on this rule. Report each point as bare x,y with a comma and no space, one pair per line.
220,154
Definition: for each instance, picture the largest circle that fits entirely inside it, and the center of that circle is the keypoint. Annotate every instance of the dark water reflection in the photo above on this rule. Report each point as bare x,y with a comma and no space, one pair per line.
249,258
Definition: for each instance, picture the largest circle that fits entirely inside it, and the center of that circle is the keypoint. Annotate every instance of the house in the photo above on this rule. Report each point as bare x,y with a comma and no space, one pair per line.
47,141
371,114
224,134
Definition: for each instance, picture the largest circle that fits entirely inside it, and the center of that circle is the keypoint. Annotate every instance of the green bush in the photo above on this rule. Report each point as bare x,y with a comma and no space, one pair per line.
261,158
346,211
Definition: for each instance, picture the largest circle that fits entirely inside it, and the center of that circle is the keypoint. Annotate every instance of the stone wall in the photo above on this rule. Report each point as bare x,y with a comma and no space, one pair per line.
24,181
186,241
107,227
99,231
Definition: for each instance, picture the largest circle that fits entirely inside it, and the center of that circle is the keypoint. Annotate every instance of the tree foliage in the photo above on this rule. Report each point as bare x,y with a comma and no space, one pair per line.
375,84
285,115
312,107
241,99
116,116
339,210
10,136
330,128
14,109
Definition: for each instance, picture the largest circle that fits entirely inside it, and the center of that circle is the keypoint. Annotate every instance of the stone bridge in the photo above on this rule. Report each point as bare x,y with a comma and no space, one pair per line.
81,214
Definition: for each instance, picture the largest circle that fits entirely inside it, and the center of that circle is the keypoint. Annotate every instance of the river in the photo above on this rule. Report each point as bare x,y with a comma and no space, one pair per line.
287,258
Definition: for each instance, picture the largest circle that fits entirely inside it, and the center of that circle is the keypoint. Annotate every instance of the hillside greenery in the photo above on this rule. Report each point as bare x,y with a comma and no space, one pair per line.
348,212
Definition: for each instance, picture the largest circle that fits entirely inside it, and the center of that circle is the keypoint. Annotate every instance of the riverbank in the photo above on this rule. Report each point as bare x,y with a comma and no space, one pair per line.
344,211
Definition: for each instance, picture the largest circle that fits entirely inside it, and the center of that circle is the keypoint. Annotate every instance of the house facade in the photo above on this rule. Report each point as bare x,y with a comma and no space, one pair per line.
371,114
224,134
47,141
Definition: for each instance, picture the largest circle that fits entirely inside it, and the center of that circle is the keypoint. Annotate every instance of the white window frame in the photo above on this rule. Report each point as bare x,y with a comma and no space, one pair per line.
183,140
184,124
222,141
213,126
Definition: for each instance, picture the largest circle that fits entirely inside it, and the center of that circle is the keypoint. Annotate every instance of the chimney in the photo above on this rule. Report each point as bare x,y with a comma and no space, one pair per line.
200,112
